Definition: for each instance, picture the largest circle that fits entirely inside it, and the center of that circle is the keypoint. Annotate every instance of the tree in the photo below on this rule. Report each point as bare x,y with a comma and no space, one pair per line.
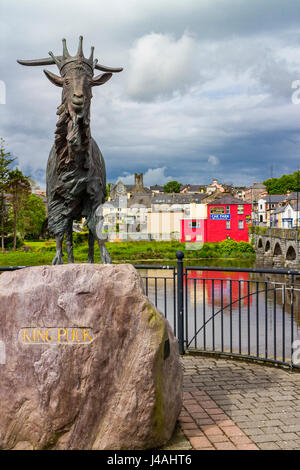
283,184
172,187
18,188
32,217
108,186
5,162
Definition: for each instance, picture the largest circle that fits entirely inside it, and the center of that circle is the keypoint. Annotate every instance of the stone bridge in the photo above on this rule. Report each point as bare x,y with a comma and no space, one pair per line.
277,247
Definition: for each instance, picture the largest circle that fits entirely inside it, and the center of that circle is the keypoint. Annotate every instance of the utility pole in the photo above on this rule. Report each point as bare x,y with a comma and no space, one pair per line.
297,205
271,174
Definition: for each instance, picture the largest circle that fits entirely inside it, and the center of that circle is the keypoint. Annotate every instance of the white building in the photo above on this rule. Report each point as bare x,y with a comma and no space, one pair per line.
266,205
289,216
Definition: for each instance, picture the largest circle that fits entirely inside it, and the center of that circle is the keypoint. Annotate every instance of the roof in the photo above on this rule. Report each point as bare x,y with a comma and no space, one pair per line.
40,194
194,187
274,198
177,198
128,187
227,200
258,186
292,196
294,206
140,199
279,209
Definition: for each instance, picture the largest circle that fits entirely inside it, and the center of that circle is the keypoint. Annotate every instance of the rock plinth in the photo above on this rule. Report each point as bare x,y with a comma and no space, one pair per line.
89,361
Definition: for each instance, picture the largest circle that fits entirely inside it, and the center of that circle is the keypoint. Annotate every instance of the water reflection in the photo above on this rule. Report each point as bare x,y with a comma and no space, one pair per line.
246,313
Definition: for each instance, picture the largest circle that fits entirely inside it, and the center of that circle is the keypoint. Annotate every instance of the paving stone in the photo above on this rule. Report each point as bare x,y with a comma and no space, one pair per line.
271,430
186,419
266,438
240,440
201,414
218,438
212,430
219,417
189,426
269,446
193,432
289,421
253,432
225,446
291,428
269,422
232,431
204,421
288,445
200,442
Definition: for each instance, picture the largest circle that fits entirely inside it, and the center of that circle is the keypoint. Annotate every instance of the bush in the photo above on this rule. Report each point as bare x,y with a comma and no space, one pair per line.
9,241
225,249
80,237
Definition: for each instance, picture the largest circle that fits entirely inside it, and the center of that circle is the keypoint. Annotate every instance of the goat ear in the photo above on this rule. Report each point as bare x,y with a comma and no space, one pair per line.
101,79
55,79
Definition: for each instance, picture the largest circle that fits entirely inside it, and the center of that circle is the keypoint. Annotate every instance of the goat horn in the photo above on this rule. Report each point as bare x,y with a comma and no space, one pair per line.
108,69
46,61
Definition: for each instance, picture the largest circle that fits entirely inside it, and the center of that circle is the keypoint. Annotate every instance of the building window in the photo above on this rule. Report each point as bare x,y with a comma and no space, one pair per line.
188,238
227,209
241,224
240,209
227,224
194,224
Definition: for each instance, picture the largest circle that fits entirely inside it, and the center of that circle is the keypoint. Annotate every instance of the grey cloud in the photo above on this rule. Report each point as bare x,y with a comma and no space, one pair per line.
220,84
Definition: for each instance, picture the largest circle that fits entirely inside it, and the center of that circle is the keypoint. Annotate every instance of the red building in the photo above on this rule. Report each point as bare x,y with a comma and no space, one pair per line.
227,217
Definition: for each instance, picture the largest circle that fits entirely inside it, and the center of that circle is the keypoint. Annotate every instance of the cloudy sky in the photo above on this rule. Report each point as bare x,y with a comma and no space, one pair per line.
206,91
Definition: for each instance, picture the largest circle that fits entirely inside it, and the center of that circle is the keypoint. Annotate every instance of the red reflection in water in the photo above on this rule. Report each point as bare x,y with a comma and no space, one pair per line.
215,283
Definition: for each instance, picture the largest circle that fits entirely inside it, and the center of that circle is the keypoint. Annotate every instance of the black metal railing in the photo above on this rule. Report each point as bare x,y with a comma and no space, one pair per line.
231,311
161,290
250,313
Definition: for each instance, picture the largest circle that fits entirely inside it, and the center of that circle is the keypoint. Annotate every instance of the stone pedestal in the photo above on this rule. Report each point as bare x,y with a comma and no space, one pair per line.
89,361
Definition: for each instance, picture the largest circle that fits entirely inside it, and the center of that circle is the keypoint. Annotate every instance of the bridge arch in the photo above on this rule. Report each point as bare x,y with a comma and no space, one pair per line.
260,243
267,246
291,253
277,249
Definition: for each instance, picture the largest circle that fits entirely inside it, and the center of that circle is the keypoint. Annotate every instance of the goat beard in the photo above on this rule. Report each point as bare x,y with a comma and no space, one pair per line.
72,137
78,136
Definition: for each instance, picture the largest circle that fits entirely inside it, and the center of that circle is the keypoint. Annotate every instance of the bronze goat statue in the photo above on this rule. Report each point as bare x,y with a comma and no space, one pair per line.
76,175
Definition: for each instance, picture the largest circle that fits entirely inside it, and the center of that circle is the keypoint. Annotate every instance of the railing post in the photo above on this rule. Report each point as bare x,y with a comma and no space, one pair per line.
180,256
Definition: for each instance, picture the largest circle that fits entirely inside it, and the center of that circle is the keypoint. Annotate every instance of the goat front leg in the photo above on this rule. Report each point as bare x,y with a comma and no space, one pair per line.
105,256
91,246
101,239
58,259
69,242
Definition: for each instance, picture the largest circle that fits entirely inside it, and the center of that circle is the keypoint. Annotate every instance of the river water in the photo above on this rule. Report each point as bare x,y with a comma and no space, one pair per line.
252,314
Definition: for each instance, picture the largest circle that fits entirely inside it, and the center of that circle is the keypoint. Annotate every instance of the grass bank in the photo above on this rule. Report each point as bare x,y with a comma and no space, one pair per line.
42,252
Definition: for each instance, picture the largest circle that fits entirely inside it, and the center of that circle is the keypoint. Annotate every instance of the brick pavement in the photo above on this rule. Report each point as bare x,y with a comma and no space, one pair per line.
232,404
